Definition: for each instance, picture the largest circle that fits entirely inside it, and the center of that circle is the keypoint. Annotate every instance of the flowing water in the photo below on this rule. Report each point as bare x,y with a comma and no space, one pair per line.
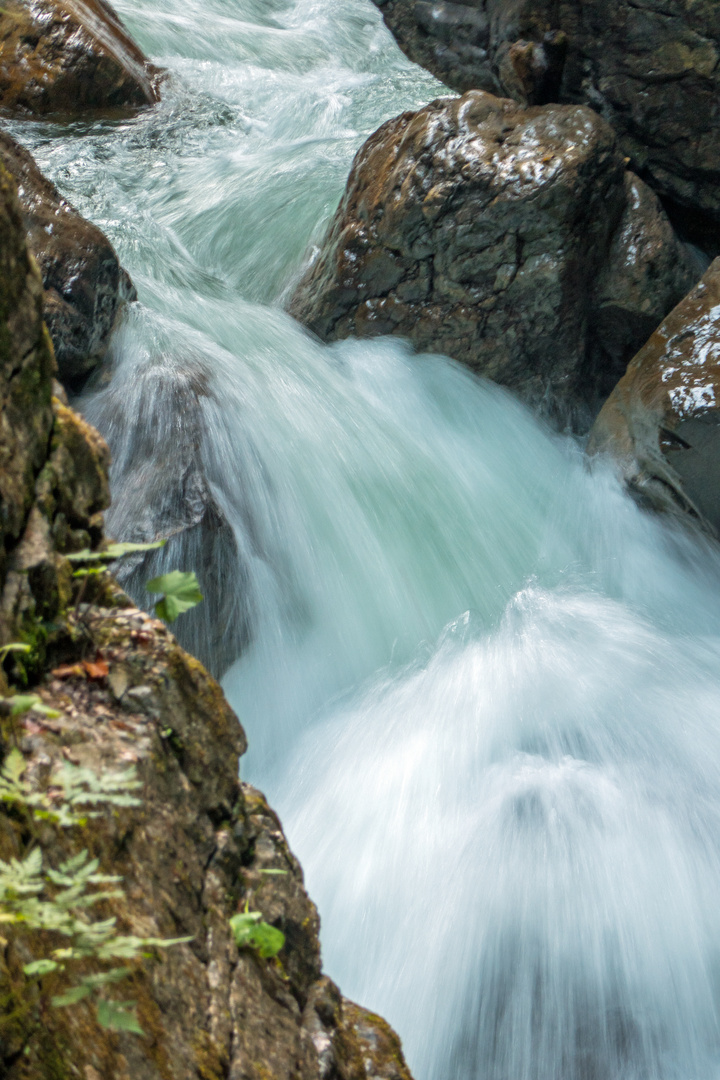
481,687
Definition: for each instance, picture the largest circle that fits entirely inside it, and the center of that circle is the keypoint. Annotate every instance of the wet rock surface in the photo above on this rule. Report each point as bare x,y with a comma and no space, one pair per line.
507,237
164,487
69,57
651,69
197,847
662,423
83,280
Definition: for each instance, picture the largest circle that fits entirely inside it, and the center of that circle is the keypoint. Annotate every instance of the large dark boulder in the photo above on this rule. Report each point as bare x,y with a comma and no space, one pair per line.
83,281
651,69
67,57
661,423
507,237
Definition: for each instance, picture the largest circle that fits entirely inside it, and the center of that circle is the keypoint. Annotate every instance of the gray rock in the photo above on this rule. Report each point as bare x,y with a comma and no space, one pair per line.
507,237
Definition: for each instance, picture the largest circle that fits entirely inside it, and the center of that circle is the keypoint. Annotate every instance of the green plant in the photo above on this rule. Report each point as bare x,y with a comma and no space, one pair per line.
250,931
36,899
180,590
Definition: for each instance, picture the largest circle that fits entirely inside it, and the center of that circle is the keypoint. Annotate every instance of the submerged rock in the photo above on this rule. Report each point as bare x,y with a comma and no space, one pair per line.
198,846
652,70
662,421
84,282
509,238
69,57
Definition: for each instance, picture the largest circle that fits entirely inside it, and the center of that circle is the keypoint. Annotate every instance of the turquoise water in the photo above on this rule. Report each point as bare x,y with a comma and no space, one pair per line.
482,688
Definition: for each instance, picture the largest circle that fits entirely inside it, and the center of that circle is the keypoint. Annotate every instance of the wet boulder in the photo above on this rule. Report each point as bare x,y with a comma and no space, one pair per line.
509,238
652,70
84,284
68,57
662,421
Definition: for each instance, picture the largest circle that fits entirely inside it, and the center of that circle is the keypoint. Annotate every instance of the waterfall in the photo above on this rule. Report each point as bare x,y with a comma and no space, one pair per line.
482,687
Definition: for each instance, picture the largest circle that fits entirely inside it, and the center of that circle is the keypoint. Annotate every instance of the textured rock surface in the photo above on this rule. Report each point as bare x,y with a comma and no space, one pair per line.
661,422
509,238
193,853
69,57
164,486
651,69
191,856
84,282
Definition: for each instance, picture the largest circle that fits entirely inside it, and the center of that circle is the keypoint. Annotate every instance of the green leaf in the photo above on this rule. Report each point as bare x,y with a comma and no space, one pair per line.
14,766
14,646
46,710
182,592
22,703
40,967
267,940
118,1016
113,551
71,996
278,873
251,932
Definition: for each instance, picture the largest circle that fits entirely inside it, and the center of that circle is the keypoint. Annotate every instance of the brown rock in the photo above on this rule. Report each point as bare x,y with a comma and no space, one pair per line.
70,56
651,69
84,282
662,423
506,237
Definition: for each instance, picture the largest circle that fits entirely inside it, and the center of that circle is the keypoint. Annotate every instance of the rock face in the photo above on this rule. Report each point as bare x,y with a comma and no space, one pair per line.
68,57
53,467
84,282
193,854
197,847
508,237
651,69
662,423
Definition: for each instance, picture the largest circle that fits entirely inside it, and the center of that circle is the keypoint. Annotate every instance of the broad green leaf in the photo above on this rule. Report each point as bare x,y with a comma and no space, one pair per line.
181,593
267,940
71,996
40,967
14,765
118,1016
242,923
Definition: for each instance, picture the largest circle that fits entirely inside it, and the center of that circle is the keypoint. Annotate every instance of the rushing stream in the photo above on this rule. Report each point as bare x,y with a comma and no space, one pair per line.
482,688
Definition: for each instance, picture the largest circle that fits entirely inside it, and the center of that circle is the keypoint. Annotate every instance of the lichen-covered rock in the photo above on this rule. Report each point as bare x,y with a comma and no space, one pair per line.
507,237
662,423
70,56
651,69
84,282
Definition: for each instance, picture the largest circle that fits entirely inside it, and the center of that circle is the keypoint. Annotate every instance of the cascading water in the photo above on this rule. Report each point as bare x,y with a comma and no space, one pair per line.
482,688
